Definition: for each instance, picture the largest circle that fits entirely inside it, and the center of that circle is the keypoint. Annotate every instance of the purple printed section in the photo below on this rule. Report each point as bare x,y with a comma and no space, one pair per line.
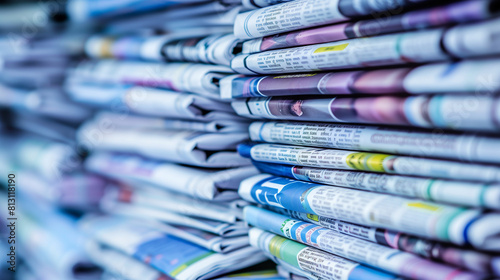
438,251
387,110
474,10
455,13
150,83
441,111
310,36
81,191
381,81
386,81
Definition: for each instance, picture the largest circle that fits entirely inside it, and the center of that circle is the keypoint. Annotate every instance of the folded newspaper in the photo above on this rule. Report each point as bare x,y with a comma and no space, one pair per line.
214,235
459,193
438,221
126,120
208,240
459,77
372,162
160,215
321,264
215,184
214,48
467,258
358,250
301,14
150,101
378,125
172,202
120,265
190,77
168,254
464,147
461,112
393,49
189,147
460,12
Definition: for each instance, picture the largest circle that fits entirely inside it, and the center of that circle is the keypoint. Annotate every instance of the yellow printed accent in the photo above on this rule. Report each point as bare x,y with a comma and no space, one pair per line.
336,48
178,270
423,205
313,217
354,161
187,264
106,47
275,245
375,162
294,76
366,161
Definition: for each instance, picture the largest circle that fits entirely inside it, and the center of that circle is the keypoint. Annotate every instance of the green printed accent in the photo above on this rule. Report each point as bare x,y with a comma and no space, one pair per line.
185,265
429,187
444,224
290,252
283,226
275,245
482,201
285,249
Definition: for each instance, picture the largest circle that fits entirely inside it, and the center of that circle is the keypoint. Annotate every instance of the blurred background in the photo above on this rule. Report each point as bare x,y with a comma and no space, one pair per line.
41,42
71,73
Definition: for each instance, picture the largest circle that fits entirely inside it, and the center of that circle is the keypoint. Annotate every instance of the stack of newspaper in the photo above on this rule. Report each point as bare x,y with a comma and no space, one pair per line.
168,141
364,200
167,149
199,139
